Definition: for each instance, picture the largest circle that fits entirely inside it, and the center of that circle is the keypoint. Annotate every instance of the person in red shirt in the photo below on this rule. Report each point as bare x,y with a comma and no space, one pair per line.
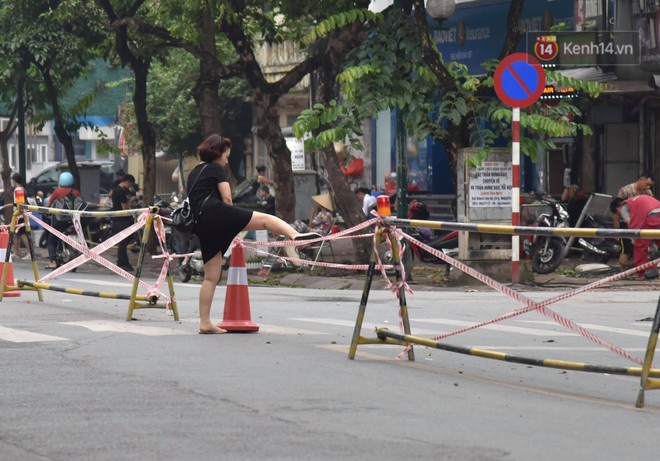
640,212
65,187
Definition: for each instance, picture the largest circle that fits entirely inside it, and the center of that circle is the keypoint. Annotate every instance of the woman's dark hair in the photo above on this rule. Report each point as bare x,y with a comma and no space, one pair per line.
261,168
213,147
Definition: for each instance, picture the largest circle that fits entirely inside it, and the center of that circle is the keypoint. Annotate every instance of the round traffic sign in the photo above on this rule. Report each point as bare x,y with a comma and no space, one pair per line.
519,80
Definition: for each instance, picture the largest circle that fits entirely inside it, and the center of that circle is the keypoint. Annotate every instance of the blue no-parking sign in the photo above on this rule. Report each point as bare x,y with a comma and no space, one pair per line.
519,80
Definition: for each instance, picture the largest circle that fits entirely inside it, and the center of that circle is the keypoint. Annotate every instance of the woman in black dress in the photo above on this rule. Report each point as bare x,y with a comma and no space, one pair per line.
218,222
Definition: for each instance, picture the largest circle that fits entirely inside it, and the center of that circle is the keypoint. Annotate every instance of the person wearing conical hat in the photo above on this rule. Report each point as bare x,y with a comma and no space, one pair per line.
322,222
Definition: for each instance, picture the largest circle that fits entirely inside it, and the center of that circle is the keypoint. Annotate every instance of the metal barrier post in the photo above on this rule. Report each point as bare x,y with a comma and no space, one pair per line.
132,304
403,308
646,382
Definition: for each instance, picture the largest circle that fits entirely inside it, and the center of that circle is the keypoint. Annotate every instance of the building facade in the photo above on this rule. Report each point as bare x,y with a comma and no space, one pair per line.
624,118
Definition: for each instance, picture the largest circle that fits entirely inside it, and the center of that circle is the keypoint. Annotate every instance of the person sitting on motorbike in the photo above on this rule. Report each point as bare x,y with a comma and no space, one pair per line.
575,197
640,212
65,187
418,210
262,178
265,199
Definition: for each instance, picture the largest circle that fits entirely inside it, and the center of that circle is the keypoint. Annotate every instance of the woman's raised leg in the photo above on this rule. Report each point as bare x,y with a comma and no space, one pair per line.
273,224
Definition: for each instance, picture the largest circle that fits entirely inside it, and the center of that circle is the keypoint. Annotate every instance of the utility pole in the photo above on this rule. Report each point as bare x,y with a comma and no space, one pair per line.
20,101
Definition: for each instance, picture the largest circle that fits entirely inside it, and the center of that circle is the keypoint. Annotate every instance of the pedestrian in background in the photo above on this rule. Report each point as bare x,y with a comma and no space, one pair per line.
262,178
640,212
122,200
640,187
20,235
65,187
368,201
266,200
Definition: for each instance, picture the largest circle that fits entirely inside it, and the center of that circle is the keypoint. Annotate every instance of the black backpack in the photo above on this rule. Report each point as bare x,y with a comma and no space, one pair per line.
68,202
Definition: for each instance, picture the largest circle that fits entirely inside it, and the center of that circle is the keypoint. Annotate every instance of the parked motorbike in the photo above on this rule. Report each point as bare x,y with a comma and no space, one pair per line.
194,267
547,252
165,209
95,230
597,249
63,252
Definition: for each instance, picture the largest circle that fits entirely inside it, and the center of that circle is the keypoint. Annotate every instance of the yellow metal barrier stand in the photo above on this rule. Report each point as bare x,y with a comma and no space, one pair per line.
646,382
5,268
152,302
403,307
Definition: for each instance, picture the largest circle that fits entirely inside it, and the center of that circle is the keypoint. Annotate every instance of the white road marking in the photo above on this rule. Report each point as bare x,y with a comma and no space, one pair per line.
126,327
556,348
22,336
365,325
278,330
496,327
275,329
591,326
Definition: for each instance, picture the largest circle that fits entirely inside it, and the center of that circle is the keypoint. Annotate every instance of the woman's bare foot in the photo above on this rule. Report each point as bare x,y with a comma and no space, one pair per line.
211,329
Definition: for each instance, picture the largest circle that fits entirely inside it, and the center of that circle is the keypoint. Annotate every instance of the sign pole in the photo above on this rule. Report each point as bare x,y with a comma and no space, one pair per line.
515,193
519,80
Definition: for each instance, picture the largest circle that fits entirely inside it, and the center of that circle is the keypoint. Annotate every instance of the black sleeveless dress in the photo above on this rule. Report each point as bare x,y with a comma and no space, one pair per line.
218,223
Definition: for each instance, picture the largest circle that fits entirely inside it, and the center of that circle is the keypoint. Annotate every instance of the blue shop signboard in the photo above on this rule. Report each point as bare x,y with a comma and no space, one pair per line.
476,31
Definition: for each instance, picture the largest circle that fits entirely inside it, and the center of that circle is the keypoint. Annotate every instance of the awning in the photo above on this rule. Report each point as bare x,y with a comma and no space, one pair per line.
609,80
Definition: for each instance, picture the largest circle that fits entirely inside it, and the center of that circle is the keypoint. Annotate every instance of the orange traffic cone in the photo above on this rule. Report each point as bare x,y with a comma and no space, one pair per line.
4,241
237,300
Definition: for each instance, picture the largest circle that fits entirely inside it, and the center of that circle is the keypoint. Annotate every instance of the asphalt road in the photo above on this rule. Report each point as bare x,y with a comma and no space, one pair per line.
80,383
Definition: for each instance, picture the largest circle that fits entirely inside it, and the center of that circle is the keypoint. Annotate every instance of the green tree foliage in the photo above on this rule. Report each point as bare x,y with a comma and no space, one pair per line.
51,44
389,70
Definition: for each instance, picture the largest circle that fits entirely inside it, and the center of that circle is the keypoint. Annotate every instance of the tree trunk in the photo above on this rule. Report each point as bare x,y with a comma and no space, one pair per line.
205,91
60,130
6,169
269,130
347,204
146,130
513,32
458,136
140,67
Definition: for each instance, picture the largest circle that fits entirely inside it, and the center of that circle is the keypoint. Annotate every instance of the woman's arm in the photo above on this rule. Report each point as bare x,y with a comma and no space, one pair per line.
225,192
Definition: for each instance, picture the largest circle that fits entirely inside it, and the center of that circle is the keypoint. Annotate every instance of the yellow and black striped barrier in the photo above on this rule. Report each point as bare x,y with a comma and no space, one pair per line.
78,291
391,337
86,214
527,230
650,377
135,300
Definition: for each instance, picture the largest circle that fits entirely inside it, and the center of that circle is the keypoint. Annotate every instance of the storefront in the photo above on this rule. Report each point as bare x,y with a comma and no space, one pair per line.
471,37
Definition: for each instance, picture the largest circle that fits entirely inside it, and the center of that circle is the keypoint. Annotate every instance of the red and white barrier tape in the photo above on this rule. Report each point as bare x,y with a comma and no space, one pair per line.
94,254
531,304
